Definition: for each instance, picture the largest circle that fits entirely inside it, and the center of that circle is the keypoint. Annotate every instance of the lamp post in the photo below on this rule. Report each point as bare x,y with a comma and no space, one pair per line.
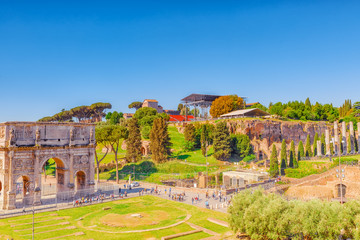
36,190
340,175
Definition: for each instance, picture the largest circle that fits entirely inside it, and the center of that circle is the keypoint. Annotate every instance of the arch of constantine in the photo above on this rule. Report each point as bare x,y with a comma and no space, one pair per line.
25,147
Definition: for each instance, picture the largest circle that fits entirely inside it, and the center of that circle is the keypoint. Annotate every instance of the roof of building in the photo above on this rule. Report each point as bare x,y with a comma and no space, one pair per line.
243,173
199,97
150,100
246,112
180,118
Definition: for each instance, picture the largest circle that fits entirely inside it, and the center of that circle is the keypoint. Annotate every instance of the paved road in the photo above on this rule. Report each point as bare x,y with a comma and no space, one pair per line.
190,193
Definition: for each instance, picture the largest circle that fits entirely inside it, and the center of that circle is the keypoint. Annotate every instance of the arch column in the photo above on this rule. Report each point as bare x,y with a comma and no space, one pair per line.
37,179
10,197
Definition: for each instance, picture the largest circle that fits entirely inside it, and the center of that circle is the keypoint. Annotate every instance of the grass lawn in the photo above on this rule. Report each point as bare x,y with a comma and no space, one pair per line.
307,168
97,223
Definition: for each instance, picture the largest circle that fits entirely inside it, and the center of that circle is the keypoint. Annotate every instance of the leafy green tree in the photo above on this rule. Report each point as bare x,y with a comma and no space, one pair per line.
301,151
308,152
115,134
135,105
293,163
316,138
274,164
346,109
145,132
259,106
222,141
204,139
145,116
98,110
159,141
190,137
102,134
133,142
241,145
283,156
115,117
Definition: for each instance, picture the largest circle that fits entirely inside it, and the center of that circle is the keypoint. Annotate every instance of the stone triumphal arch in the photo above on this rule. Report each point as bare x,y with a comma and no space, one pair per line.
26,146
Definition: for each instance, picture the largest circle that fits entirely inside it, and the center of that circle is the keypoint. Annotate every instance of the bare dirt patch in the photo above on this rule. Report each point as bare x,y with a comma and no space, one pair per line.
126,220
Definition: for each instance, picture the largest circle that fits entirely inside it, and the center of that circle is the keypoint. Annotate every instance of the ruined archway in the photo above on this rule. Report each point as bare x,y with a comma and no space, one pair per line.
340,190
143,151
63,148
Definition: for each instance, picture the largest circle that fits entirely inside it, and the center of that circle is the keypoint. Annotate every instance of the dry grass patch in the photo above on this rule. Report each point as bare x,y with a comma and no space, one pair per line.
127,220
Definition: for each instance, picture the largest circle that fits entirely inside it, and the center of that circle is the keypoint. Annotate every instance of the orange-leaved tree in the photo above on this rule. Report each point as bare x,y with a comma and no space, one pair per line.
226,104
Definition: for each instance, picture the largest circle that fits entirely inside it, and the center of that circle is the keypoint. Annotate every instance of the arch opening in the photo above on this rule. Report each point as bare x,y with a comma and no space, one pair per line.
340,190
80,181
22,187
52,176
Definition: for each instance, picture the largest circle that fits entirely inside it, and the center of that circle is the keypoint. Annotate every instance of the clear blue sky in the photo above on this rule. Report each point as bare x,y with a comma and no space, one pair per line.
62,54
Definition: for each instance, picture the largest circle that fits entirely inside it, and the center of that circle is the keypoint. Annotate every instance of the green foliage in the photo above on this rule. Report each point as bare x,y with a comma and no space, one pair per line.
259,106
249,158
159,141
145,132
316,138
115,117
308,152
133,142
293,162
304,111
204,139
346,108
135,105
348,144
222,149
283,157
269,216
323,144
301,151
274,164
240,144
189,146
145,116
189,133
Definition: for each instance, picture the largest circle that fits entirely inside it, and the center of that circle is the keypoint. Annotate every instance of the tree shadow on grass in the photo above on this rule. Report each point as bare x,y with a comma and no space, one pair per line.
141,169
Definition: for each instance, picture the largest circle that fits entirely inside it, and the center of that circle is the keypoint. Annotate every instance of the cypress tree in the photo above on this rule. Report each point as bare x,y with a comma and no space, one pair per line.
222,142
301,152
274,164
308,152
316,138
133,142
293,163
323,144
331,149
283,156
348,144
189,133
159,141
308,104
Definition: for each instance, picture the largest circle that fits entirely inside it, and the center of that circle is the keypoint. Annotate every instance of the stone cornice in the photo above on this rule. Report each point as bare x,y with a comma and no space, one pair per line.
15,149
